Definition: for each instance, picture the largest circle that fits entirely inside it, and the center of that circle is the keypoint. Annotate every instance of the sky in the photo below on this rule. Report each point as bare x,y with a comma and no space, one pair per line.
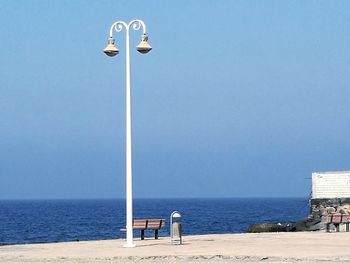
236,99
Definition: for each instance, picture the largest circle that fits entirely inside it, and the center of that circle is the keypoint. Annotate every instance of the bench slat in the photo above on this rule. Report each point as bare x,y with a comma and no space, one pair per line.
346,219
155,223
329,219
336,218
139,224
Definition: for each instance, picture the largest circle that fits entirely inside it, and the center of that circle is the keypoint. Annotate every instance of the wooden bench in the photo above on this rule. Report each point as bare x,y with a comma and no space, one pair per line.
336,220
145,224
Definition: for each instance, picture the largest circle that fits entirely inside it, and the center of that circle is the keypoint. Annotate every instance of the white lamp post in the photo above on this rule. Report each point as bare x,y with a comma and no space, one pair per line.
111,50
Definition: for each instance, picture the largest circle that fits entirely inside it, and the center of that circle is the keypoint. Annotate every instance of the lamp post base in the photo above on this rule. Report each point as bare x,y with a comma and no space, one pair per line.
129,245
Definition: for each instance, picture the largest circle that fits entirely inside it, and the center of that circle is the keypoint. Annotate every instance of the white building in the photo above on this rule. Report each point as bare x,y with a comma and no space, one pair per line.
331,185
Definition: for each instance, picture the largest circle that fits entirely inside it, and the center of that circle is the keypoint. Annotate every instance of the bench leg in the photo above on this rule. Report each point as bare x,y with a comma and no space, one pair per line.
142,234
156,234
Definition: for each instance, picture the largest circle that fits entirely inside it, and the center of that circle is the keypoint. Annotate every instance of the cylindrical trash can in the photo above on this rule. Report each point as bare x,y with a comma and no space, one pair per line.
177,233
176,228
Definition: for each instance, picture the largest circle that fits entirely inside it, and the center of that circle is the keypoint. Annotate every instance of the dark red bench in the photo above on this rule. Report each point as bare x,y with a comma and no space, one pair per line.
338,219
148,224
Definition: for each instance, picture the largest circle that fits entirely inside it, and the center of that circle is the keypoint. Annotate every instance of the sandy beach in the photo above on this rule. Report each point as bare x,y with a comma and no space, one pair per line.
267,247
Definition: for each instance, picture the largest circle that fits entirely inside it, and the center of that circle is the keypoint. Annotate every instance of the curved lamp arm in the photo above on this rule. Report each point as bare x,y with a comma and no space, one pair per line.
136,24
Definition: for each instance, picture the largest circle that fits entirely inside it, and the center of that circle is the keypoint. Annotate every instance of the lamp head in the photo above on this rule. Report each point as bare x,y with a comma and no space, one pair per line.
144,47
111,50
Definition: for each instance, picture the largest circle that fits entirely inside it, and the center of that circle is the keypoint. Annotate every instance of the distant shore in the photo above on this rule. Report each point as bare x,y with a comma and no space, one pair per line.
267,247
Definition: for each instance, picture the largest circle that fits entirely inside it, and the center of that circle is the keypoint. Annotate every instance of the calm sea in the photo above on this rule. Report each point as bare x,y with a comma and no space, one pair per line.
64,220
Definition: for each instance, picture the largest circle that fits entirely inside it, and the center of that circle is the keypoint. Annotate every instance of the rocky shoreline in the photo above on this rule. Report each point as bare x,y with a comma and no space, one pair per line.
320,209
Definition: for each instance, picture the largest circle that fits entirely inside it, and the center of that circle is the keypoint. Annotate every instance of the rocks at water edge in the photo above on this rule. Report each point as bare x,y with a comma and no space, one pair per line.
320,209
271,227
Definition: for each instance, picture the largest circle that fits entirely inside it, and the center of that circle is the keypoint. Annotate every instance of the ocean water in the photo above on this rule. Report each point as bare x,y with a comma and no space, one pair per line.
67,220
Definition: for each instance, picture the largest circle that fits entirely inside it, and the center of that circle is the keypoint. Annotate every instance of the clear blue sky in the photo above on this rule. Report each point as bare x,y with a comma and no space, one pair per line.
236,99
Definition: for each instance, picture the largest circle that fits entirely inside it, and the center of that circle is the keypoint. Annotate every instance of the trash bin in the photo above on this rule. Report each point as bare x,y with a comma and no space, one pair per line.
176,228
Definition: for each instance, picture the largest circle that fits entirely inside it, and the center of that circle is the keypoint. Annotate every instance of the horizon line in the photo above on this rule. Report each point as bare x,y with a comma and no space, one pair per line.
150,198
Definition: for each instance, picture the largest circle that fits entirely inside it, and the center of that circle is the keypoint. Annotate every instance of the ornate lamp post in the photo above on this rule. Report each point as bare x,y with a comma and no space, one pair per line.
111,50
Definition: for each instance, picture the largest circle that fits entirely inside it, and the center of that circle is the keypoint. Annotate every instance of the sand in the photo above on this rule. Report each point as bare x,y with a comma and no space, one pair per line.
263,247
